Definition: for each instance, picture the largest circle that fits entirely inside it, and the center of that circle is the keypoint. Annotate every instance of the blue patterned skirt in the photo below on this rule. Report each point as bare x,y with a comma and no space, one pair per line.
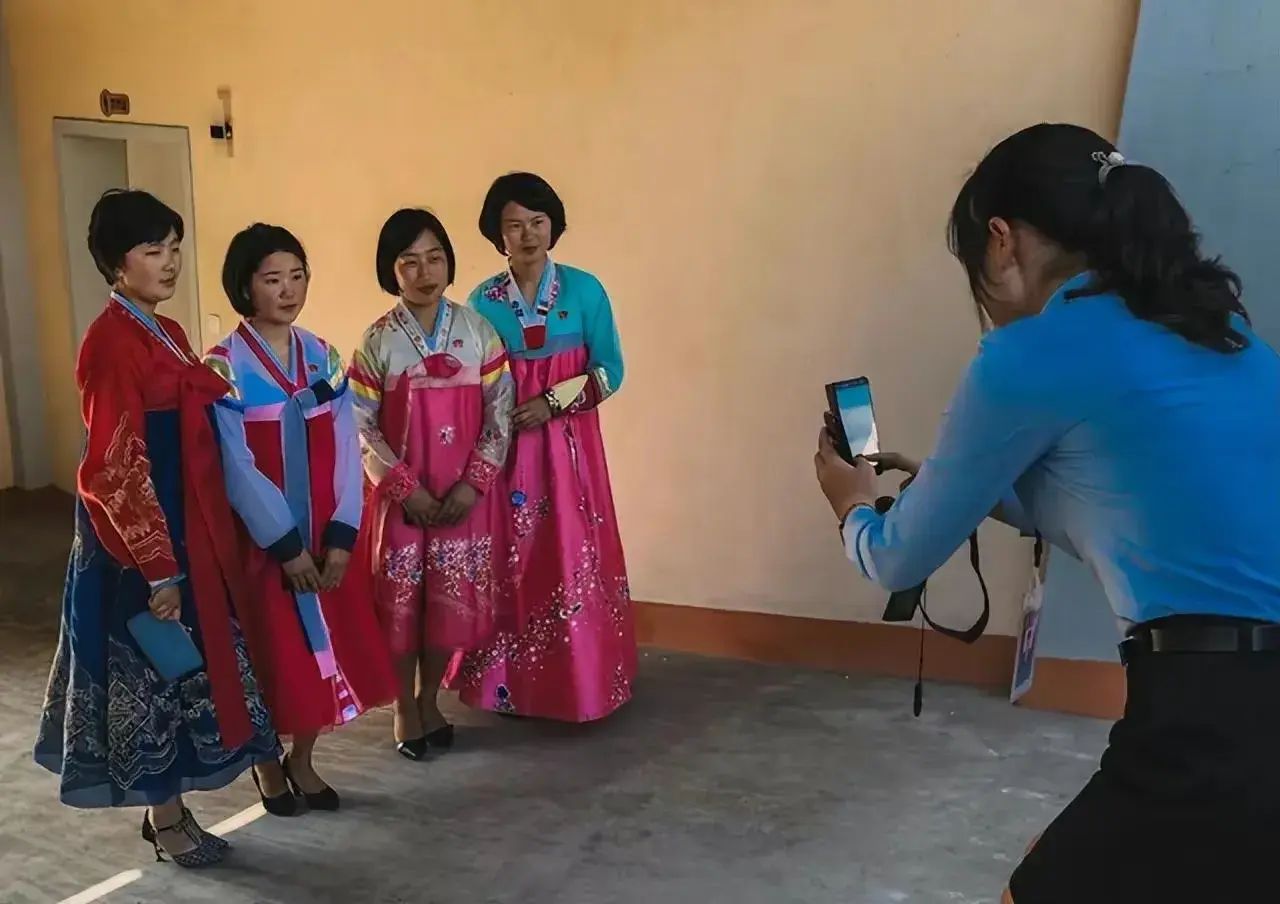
115,731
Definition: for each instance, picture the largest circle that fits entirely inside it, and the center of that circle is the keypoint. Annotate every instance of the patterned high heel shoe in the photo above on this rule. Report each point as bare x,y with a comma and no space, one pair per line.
202,855
188,824
322,800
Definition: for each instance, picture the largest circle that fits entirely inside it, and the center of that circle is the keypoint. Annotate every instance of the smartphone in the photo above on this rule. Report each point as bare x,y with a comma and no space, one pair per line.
855,418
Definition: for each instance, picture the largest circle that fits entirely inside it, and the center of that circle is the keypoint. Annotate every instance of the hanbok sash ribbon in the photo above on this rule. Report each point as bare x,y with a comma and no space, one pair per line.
297,492
297,477
217,583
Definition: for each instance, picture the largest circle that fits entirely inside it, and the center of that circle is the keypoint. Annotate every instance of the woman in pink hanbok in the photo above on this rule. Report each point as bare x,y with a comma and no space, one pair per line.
576,658
434,397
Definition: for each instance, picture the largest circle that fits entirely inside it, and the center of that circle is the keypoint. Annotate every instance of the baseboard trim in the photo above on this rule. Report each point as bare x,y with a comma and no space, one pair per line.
1070,686
1082,687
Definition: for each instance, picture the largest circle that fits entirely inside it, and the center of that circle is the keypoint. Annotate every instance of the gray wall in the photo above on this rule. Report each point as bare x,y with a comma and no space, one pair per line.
1203,107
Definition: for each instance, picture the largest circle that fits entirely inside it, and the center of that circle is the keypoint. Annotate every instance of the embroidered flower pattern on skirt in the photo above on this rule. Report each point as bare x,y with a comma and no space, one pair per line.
403,568
504,703
398,609
620,691
556,623
528,514
129,728
592,517
458,562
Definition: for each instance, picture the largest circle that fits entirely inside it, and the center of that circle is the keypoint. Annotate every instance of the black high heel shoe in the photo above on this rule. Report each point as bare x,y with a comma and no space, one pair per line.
203,854
322,800
440,739
285,804
413,749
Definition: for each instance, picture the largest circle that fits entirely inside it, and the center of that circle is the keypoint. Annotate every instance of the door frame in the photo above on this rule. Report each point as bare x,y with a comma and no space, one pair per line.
71,127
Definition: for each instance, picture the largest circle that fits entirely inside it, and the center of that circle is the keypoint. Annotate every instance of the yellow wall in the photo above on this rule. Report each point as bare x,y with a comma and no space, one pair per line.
762,185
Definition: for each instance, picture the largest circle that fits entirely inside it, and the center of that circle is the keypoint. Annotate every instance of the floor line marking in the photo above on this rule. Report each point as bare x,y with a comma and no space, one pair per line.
129,876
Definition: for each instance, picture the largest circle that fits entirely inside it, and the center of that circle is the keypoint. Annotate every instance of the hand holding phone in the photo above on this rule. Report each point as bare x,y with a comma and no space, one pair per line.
894,461
845,484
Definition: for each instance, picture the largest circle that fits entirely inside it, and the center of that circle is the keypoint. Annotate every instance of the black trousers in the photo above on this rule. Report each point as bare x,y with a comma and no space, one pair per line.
1185,806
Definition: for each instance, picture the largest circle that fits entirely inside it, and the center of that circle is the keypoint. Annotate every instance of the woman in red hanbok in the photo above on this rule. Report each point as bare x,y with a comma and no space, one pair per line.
154,569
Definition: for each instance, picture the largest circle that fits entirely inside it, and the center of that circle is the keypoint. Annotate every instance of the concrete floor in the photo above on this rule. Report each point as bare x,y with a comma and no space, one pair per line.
722,782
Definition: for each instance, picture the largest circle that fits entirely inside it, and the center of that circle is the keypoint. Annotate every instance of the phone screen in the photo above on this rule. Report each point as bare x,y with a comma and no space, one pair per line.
853,399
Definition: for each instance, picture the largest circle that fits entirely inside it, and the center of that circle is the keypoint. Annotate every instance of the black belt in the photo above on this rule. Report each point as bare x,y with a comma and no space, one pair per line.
1242,638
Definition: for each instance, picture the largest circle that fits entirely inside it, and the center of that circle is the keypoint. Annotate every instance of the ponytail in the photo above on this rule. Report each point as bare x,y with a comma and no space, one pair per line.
1125,219
1143,248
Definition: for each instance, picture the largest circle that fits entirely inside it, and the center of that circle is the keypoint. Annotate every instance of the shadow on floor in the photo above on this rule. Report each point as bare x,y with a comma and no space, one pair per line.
722,782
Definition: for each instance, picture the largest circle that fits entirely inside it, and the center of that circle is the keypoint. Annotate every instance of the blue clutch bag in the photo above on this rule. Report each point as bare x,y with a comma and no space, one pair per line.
167,645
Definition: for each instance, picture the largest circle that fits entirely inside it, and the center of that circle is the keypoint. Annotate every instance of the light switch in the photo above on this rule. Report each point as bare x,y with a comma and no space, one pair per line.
212,328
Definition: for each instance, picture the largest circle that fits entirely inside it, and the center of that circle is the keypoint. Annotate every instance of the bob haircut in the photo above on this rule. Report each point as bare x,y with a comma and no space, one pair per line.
122,220
399,232
248,249
527,190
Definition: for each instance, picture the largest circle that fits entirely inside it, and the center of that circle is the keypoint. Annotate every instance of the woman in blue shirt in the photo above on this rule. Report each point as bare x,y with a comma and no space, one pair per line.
1117,367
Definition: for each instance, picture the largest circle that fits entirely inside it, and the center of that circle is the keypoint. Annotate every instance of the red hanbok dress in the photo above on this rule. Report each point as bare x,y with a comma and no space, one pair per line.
150,511
292,462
